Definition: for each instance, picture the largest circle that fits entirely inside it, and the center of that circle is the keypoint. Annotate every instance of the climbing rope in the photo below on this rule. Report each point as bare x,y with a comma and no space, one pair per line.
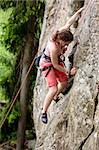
14,100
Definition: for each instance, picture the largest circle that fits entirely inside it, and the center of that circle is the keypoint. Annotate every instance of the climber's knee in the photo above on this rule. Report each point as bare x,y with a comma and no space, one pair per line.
54,90
63,84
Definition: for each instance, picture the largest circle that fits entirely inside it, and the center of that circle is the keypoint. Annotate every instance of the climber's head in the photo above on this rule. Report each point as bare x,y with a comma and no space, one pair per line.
63,38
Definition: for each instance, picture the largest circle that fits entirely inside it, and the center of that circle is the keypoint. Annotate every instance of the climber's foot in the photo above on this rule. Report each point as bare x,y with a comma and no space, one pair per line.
57,99
44,118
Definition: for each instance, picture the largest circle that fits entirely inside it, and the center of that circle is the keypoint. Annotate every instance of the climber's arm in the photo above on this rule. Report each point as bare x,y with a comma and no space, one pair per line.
72,19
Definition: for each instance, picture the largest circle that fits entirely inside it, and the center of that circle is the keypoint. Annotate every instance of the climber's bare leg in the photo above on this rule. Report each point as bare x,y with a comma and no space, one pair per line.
49,97
61,86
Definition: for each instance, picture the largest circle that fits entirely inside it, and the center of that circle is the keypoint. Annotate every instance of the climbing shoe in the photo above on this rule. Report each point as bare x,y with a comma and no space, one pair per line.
57,99
44,118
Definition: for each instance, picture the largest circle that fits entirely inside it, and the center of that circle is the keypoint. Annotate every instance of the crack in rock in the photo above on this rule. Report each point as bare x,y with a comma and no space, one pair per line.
84,141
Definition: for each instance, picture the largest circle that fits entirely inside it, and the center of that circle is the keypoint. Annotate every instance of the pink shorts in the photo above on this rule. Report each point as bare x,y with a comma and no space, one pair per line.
54,75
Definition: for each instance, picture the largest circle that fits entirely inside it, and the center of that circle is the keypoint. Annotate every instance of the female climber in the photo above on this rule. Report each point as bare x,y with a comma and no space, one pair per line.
53,68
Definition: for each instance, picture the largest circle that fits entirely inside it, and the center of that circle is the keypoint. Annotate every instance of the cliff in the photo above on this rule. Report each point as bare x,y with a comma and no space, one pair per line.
74,120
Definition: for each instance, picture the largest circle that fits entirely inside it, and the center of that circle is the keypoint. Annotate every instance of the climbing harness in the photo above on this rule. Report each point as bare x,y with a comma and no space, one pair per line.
47,68
38,58
61,58
47,58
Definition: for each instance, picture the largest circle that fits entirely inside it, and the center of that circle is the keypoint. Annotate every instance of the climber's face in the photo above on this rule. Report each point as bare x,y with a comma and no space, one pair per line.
64,44
64,49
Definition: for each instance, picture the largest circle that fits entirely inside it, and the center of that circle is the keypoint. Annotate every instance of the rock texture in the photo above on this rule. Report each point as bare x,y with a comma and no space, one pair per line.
73,121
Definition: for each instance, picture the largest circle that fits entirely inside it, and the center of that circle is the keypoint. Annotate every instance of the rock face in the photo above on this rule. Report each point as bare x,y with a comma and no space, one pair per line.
74,120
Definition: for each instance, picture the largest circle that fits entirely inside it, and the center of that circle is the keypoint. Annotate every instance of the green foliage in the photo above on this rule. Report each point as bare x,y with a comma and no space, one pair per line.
5,4
8,131
14,20
16,28
14,115
2,94
7,59
7,63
